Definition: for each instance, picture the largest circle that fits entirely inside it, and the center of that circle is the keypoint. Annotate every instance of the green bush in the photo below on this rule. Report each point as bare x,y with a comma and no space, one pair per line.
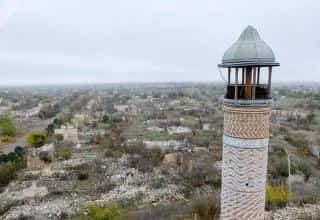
64,153
7,173
280,152
54,125
159,182
297,141
14,157
7,127
283,168
112,212
106,119
305,169
82,172
214,179
35,138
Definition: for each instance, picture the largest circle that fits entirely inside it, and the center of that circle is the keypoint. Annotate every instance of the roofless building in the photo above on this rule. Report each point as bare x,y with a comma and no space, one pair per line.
247,106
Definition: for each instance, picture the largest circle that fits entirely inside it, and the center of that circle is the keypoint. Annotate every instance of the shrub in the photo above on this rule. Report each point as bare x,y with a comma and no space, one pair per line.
54,125
144,159
135,148
5,138
7,173
280,152
283,168
14,157
64,153
214,179
155,156
305,169
204,210
198,177
278,167
18,150
82,172
7,127
303,151
307,199
106,119
35,138
112,153
159,182
276,195
112,212
297,141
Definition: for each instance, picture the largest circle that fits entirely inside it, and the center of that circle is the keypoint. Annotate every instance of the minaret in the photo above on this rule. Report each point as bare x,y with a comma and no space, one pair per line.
247,106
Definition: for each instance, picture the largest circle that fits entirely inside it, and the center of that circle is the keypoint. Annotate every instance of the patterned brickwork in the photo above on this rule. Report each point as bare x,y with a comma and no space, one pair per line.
242,206
243,183
246,122
244,167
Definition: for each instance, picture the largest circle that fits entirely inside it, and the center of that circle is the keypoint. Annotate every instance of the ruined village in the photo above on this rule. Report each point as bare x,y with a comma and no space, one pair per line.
145,151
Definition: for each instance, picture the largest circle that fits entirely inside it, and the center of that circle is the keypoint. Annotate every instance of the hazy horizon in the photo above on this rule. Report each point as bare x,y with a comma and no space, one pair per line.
81,42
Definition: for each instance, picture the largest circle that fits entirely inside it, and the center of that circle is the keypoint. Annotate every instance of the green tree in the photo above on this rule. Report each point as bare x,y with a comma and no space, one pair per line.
35,138
7,126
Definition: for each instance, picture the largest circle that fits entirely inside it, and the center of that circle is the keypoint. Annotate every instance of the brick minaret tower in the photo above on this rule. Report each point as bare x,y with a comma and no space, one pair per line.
247,105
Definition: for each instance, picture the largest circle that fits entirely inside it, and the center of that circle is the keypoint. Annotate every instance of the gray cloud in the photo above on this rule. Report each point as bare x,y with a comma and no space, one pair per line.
46,41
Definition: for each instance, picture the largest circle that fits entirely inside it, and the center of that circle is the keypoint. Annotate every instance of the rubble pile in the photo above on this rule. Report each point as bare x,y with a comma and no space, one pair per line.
295,213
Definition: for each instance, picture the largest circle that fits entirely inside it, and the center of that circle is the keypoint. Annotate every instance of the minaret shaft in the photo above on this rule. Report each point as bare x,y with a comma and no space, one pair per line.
247,105
245,156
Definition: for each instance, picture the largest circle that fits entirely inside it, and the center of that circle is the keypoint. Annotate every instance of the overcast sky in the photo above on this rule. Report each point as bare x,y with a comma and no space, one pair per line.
75,41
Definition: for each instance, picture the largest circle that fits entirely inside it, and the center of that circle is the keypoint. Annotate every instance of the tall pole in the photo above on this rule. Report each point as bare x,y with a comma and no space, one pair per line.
236,85
289,172
269,80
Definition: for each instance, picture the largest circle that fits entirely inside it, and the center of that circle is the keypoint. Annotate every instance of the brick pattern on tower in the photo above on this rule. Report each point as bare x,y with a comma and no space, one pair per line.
250,122
244,167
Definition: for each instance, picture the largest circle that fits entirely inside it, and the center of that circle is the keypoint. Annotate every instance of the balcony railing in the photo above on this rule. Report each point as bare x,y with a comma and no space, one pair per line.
248,92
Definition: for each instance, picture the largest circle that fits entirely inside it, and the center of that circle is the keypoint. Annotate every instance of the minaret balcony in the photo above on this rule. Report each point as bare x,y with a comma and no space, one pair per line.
248,94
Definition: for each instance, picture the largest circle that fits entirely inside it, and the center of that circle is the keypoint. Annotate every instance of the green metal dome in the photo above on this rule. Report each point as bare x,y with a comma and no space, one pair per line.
249,50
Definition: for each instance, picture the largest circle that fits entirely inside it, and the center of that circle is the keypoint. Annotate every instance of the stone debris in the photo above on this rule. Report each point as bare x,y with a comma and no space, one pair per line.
78,160
55,209
295,213
133,184
178,130
33,191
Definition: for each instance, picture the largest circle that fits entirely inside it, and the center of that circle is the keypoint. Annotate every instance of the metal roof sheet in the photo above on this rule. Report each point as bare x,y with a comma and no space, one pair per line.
249,49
